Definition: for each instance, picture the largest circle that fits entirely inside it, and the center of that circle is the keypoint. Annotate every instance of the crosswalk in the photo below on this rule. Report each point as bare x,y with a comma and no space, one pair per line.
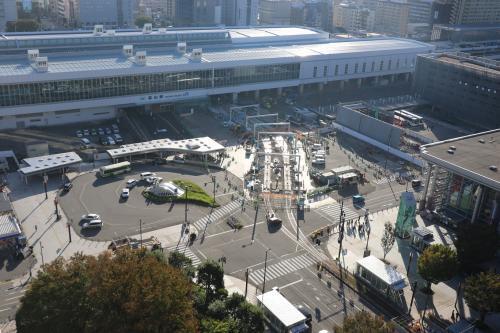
385,180
200,225
333,212
184,249
282,268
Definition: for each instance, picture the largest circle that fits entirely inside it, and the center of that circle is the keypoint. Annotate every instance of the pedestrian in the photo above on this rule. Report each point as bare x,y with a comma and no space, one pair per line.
36,228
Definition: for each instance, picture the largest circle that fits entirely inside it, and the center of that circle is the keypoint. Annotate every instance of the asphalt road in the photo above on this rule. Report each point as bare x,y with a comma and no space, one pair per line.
91,194
9,300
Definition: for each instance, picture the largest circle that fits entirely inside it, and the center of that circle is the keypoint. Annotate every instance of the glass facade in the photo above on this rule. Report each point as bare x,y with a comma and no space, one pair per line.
85,89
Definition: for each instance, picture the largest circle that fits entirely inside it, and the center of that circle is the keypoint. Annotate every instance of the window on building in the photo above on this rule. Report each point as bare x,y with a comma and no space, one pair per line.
325,70
346,68
363,69
373,66
315,71
397,64
336,70
389,65
381,65
355,68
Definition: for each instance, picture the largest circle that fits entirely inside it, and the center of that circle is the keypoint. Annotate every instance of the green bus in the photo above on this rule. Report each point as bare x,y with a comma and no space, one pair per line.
114,169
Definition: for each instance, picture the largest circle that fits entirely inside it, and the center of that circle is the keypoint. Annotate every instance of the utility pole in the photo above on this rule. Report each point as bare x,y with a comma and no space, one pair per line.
69,230
45,180
41,252
186,205
256,205
410,258
368,231
341,227
140,230
265,272
246,282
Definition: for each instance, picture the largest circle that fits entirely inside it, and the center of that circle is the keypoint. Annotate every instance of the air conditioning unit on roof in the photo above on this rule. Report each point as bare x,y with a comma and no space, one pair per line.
181,47
98,29
110,32
147,29
140,58
128,50
33,54
41,64
196,54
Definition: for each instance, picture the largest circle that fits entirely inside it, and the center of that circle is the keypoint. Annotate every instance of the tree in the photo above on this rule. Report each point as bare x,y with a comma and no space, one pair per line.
388,238
125,292
141,20
22,25
437,263
364,322
211,278
475,244
482,293
182,262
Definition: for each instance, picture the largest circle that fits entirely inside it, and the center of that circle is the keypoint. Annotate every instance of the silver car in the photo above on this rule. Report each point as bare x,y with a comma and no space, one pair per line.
92,224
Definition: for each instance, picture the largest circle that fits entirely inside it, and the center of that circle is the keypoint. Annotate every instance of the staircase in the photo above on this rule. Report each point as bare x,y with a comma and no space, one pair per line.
134,122
439,188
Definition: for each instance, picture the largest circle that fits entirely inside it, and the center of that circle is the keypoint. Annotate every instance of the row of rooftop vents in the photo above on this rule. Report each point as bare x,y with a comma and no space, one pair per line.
41,64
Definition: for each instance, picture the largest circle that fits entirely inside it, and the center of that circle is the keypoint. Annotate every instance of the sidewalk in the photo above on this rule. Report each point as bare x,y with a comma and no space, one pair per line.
443,300
235,285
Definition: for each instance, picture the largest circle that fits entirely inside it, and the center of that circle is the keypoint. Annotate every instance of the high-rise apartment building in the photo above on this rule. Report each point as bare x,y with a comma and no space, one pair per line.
245,12
64,12
312,13
275,12
353,17
110,13
420,11
8,12
475,11
391,17
183,12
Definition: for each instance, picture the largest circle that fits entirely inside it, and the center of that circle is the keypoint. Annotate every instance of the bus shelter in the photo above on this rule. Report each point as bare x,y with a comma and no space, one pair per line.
44,165
384,278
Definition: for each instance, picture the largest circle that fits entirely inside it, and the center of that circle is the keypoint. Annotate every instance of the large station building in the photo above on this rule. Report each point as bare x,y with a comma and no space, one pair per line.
53,78
463,180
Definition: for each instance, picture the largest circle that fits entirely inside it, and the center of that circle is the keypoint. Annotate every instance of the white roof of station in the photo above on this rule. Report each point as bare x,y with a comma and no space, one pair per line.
279,306
203,145
343,169
385,272
47,163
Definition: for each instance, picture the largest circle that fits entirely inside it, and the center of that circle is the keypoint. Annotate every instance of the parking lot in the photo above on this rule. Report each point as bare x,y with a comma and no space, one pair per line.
91,194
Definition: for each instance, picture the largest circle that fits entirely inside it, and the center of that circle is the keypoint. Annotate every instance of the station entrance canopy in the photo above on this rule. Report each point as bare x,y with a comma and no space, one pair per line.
199,146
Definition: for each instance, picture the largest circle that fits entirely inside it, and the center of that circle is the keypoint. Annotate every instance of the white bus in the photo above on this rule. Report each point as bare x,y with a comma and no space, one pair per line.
114,169
282,315
411,119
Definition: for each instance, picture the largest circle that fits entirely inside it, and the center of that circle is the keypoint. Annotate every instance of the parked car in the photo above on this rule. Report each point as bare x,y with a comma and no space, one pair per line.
86,132
100,131
111,141
67,186
79,134
147,174
118,138
115,128
131,183
93,132
415,183
92,224
85,143
91,216
108,131
125,193
152,180
104,140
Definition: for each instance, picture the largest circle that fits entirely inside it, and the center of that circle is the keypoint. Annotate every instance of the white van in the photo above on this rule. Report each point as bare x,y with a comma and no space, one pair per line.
316,146
147,174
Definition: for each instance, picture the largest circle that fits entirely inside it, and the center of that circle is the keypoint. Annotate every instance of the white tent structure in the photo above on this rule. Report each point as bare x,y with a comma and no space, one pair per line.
165,190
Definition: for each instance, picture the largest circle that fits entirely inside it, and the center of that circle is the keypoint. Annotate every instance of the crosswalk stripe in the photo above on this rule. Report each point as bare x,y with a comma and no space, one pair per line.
217,214
282,268
184,249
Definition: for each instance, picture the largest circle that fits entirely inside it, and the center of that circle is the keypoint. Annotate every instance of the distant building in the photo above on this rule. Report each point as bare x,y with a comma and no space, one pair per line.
8,12
475,12
353,17
183,12
464,88
312,13
420,11
391,17
207,12
64,12
241,12
275,12
110,13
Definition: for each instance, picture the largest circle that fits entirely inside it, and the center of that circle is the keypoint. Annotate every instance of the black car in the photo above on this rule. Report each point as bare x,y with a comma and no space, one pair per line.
67,186
104,140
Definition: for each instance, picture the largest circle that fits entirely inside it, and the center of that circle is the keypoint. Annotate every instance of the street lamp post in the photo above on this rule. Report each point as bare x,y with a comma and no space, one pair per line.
410,258
186,189
246,282
69,231
256,205
45,180
214,183
41,252
265,272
